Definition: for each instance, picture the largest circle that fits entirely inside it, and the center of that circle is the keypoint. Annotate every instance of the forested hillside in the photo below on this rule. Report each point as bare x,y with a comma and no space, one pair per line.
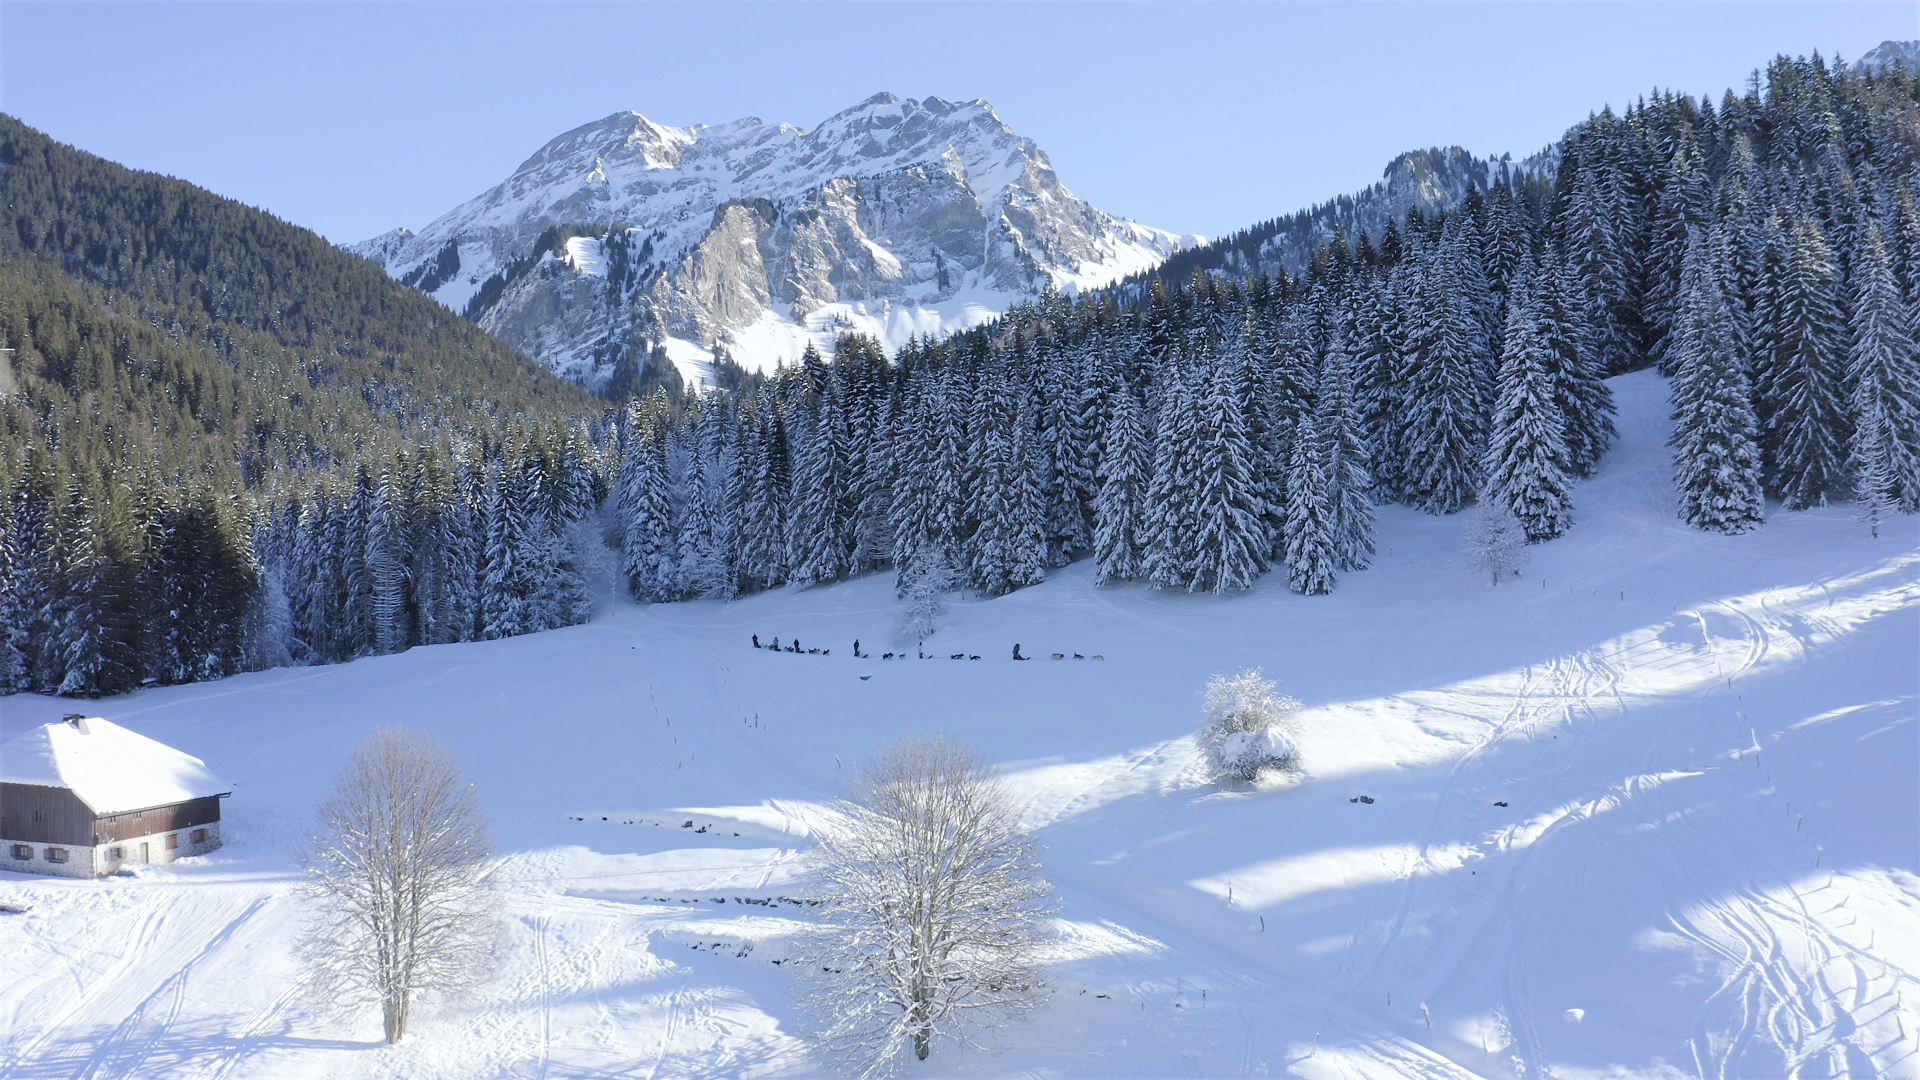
230,446
1765,252
180,371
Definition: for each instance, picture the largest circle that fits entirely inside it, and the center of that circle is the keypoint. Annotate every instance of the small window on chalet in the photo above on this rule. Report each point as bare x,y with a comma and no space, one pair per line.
116,852
199,836
39,815
173,840
22,851
56,854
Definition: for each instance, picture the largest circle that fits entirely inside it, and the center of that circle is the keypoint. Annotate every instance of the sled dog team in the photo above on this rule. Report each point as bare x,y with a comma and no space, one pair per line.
793,646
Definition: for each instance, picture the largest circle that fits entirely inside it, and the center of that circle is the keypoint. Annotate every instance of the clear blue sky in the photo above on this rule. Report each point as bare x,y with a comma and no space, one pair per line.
352,119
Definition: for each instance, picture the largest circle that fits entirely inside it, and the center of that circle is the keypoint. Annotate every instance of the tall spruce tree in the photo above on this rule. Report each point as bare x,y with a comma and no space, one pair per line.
817,531
1311,550
1445,426
1120,510
1581,393
1806,429
648,548
1717,464
1349,507
1526,465
1230,542
1884,370
1172,516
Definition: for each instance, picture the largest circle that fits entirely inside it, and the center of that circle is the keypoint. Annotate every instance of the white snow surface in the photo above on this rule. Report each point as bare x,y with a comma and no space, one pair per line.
1704,864
112,770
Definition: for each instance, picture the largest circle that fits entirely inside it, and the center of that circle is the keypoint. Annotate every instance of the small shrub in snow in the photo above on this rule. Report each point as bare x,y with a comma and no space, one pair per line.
1247,729
1495,542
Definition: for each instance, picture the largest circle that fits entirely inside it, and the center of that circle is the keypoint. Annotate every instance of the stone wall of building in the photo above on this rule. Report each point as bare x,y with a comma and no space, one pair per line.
70,860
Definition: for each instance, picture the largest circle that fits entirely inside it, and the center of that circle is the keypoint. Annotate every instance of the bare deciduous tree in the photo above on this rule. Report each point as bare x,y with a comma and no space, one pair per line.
1495,541
923,596
935,906
398,866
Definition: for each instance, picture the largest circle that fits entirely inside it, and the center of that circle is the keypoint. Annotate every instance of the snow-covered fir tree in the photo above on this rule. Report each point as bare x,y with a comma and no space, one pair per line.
1444,438
1120,510
1800,388
1526,466
1230,544
1717,465
1171,512
1884,371
1312,554
1582,395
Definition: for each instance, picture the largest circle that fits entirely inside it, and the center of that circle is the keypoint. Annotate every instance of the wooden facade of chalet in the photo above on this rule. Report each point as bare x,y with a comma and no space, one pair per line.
49,815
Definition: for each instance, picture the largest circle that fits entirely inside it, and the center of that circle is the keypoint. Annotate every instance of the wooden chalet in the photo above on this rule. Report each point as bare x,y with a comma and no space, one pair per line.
85,797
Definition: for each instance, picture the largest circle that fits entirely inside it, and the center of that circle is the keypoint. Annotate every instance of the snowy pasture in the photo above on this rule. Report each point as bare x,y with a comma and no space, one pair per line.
1647,810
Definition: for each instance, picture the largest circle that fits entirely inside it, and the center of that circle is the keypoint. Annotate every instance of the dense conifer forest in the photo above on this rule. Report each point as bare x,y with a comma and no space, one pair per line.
1764,252
371,473
184,377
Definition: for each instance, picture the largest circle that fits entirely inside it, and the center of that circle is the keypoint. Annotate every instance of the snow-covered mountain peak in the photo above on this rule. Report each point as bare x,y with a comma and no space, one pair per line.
1887,53
895,216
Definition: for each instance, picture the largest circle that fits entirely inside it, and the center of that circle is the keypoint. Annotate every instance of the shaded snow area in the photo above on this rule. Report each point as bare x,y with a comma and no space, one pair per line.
1646,811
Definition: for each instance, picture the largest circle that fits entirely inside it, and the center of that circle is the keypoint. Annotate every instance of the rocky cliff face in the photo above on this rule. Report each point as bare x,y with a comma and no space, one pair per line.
895,217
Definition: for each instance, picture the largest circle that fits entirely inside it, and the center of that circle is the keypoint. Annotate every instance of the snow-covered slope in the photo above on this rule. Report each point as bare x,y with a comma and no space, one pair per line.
1647,811
895,217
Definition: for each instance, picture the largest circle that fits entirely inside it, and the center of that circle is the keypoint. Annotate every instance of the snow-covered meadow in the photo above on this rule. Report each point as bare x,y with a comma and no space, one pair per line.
1646,810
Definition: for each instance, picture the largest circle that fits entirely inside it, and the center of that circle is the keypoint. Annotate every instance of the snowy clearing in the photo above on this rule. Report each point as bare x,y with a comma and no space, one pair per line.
1645,811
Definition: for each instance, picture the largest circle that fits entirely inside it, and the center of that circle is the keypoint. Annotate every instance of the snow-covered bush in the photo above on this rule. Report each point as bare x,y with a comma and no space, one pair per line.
1495,541
1247,728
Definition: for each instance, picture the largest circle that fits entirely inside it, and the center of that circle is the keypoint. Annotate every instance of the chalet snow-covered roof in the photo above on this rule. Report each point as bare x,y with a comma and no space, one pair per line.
111,769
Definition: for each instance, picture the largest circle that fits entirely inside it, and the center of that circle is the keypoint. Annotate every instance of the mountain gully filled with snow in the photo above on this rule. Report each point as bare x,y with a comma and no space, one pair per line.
1645,810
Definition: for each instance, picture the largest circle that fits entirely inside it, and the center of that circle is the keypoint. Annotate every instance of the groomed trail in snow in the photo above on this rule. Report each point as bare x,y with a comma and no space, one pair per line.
1647,810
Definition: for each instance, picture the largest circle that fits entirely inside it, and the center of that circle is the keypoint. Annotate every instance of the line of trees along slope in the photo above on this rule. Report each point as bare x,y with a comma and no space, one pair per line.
1765,251
226,444
211,466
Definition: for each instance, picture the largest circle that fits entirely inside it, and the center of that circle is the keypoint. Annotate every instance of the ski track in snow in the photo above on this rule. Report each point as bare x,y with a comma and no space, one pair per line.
1680,726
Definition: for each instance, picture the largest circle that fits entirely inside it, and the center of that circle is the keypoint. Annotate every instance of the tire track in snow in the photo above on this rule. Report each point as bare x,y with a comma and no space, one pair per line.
541,924
1517,716
1772,999
118,1046
145,932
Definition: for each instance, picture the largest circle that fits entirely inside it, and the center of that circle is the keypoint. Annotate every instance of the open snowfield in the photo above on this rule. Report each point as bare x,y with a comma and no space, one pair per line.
1705,866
